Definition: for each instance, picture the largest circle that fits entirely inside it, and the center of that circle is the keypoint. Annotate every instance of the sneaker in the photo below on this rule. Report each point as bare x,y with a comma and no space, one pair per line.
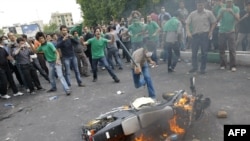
170,70
81,85
86,75
192,71
95,79
18,94
68,92
41,89
33,93
103,68
51,90
222,67
233,69
202,72
117,80
28,90
6,96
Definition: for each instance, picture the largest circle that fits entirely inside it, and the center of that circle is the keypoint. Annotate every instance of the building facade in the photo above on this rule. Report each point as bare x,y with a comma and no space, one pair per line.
62,19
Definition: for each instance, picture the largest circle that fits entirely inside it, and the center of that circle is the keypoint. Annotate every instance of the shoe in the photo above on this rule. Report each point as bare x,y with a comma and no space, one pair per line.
32,93
233,69
81,85
120,68
202,72
6,96
68,93
222,67
18,94
28,90
103,68
192,71
86,75
117,80
95,79
51,90
41,89
170,70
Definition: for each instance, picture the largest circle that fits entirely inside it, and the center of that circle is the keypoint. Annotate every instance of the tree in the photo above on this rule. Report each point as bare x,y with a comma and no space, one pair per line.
50,28
103,11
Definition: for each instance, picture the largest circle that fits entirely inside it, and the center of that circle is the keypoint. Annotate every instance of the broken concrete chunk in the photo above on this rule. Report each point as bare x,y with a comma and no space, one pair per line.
222,114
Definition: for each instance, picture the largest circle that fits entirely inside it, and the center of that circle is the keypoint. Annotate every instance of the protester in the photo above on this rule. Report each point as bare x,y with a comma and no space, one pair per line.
22,57
66,45
202,22
53,58
98,45
228,17
140,70
5,72
173,37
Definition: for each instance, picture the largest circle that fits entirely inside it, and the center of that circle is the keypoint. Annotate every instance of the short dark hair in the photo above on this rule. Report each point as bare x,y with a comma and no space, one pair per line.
63,26
19,39
24,36
96,29
40,34
1,38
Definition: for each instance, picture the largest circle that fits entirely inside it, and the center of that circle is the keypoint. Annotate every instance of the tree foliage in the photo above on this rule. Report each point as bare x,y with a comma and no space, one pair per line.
50,28
103,11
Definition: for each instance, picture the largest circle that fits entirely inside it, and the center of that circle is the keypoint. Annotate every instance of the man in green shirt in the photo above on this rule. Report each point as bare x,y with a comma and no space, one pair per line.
136,31
98,45
53,58
228,18
153,29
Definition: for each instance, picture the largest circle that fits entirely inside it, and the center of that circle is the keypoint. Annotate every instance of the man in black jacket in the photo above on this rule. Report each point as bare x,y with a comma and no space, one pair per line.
66,45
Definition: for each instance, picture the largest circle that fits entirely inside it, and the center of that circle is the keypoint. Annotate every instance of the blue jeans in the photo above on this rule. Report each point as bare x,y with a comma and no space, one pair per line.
53,69
102,60
200,41
114,52
71,61
146,79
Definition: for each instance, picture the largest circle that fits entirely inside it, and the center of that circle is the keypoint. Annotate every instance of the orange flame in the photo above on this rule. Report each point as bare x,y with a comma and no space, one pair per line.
143,138
185,102
174,127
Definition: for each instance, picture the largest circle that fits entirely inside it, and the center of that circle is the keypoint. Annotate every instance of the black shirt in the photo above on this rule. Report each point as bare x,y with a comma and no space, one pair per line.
67,46
244,25
3,58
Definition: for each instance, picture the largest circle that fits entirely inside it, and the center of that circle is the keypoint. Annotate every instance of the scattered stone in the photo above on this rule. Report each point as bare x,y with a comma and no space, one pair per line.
76,98
222,114
7,139
195,140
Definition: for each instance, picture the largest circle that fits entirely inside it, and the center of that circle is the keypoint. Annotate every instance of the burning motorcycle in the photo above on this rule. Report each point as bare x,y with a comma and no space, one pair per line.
148,120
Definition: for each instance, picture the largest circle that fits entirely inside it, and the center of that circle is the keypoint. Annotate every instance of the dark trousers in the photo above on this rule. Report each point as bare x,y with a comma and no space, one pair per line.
3,82
102,60
14,69
40,57
227,39
30,76
126,54
173,59
39,68
82,61
200,41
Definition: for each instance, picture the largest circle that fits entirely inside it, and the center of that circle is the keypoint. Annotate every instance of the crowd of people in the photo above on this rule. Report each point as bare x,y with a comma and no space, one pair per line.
57,55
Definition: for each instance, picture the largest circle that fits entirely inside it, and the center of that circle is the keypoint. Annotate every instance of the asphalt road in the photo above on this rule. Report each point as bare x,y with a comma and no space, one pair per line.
37,118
